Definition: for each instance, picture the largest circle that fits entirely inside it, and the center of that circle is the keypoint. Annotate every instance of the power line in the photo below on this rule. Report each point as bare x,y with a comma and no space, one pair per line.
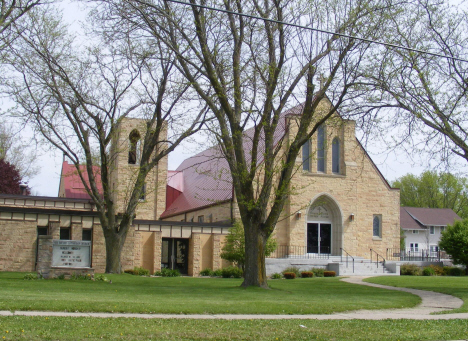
316,30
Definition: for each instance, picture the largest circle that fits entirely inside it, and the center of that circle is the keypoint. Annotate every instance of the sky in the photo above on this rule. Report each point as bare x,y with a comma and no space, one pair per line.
392,165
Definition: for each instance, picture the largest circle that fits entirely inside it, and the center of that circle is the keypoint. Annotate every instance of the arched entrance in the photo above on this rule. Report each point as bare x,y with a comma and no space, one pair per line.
324,226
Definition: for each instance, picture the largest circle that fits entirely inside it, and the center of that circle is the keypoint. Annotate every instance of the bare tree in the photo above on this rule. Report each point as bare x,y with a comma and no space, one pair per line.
76,99
11,11
422,98
251,71
15,151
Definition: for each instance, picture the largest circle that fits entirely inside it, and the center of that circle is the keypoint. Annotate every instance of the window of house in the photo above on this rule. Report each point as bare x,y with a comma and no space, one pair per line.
210,218
321,149
201,218
432,229
415,231
336,155
377,226
134,147
87,234
442,229
434,248
414,247
143,193
306,156
65,233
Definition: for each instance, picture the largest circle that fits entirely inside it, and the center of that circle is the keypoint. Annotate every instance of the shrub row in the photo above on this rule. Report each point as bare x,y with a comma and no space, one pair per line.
165,272
229,272
431,270
137,271
294,272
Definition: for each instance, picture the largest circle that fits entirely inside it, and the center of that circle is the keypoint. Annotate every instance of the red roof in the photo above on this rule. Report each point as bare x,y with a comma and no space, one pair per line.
416,218
207,178
72,185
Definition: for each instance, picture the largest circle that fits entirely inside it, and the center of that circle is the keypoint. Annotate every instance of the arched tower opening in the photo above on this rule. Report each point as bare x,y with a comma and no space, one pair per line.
134,147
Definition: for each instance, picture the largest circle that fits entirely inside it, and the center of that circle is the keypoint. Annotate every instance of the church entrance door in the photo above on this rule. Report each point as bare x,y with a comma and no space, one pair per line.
175,254
318,238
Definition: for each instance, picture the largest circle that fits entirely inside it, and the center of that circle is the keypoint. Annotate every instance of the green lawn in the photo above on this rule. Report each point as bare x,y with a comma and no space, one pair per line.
456,286
67,328
186,295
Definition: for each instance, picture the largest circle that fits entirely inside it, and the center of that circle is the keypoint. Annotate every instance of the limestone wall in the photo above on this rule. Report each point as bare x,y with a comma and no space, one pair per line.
354,195
17,245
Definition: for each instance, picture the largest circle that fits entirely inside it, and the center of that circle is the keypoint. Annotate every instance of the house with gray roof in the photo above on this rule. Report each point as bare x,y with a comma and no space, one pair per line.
423,227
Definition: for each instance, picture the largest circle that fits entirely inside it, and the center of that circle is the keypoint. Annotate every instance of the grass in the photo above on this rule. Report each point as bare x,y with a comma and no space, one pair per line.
187,295
456,286
86,328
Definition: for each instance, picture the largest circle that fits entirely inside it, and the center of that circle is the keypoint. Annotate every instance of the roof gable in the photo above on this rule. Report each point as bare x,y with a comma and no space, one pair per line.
71,185
420,217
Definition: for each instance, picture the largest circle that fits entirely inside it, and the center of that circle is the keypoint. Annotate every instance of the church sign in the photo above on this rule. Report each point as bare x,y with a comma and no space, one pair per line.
71,254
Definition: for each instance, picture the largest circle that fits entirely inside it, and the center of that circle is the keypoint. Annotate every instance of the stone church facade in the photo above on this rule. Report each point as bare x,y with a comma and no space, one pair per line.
339,202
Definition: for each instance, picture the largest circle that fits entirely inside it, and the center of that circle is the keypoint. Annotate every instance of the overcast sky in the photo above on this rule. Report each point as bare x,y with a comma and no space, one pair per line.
46,183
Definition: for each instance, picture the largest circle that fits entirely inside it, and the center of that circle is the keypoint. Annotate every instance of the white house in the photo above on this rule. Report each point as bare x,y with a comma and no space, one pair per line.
423,227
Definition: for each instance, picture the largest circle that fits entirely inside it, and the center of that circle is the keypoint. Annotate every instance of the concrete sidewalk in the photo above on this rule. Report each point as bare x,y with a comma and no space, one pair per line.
432,302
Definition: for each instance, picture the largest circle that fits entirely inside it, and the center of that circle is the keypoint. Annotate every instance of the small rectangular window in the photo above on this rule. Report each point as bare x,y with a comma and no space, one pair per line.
87,234
201,218
414,247
432,229
442,229
415,231
42,231
65,233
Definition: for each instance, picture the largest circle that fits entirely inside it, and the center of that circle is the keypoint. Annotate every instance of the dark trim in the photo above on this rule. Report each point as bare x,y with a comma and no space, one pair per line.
37,210
180,223
39,198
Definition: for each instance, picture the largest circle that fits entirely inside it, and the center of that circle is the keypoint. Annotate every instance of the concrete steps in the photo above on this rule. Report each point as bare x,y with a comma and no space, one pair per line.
362,266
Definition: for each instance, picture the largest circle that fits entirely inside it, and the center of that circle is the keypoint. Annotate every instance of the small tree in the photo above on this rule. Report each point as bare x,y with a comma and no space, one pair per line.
10,178
454,241
234,249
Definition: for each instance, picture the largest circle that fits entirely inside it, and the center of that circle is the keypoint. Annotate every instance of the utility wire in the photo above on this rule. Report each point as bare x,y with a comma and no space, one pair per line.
316,29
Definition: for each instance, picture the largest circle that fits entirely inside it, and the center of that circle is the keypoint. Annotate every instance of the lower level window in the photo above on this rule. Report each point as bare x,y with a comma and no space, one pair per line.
65,233
414,247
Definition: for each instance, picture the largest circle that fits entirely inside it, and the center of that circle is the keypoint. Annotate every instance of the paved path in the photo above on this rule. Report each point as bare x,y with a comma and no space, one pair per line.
432,302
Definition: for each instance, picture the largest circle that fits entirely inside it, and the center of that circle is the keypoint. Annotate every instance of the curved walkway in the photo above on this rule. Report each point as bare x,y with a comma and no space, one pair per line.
432,302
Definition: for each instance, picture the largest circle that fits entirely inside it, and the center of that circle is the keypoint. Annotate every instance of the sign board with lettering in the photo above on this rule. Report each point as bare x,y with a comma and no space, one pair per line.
71,254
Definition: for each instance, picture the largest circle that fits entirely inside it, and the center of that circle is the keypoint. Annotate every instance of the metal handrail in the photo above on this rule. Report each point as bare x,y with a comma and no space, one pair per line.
347,254
377,260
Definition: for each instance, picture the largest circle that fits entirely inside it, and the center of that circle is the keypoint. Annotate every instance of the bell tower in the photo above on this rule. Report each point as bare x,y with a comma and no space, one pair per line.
126,149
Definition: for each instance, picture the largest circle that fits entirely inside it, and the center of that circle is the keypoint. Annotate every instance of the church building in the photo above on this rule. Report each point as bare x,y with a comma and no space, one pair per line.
339,204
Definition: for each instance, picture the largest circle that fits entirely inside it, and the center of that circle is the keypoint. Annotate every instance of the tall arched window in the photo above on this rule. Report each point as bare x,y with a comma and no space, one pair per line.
336,155
306,156
321,149
134,147
377,226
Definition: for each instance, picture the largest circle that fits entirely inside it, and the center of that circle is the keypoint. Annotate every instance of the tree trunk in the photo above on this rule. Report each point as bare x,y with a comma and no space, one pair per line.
255,271
114,246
